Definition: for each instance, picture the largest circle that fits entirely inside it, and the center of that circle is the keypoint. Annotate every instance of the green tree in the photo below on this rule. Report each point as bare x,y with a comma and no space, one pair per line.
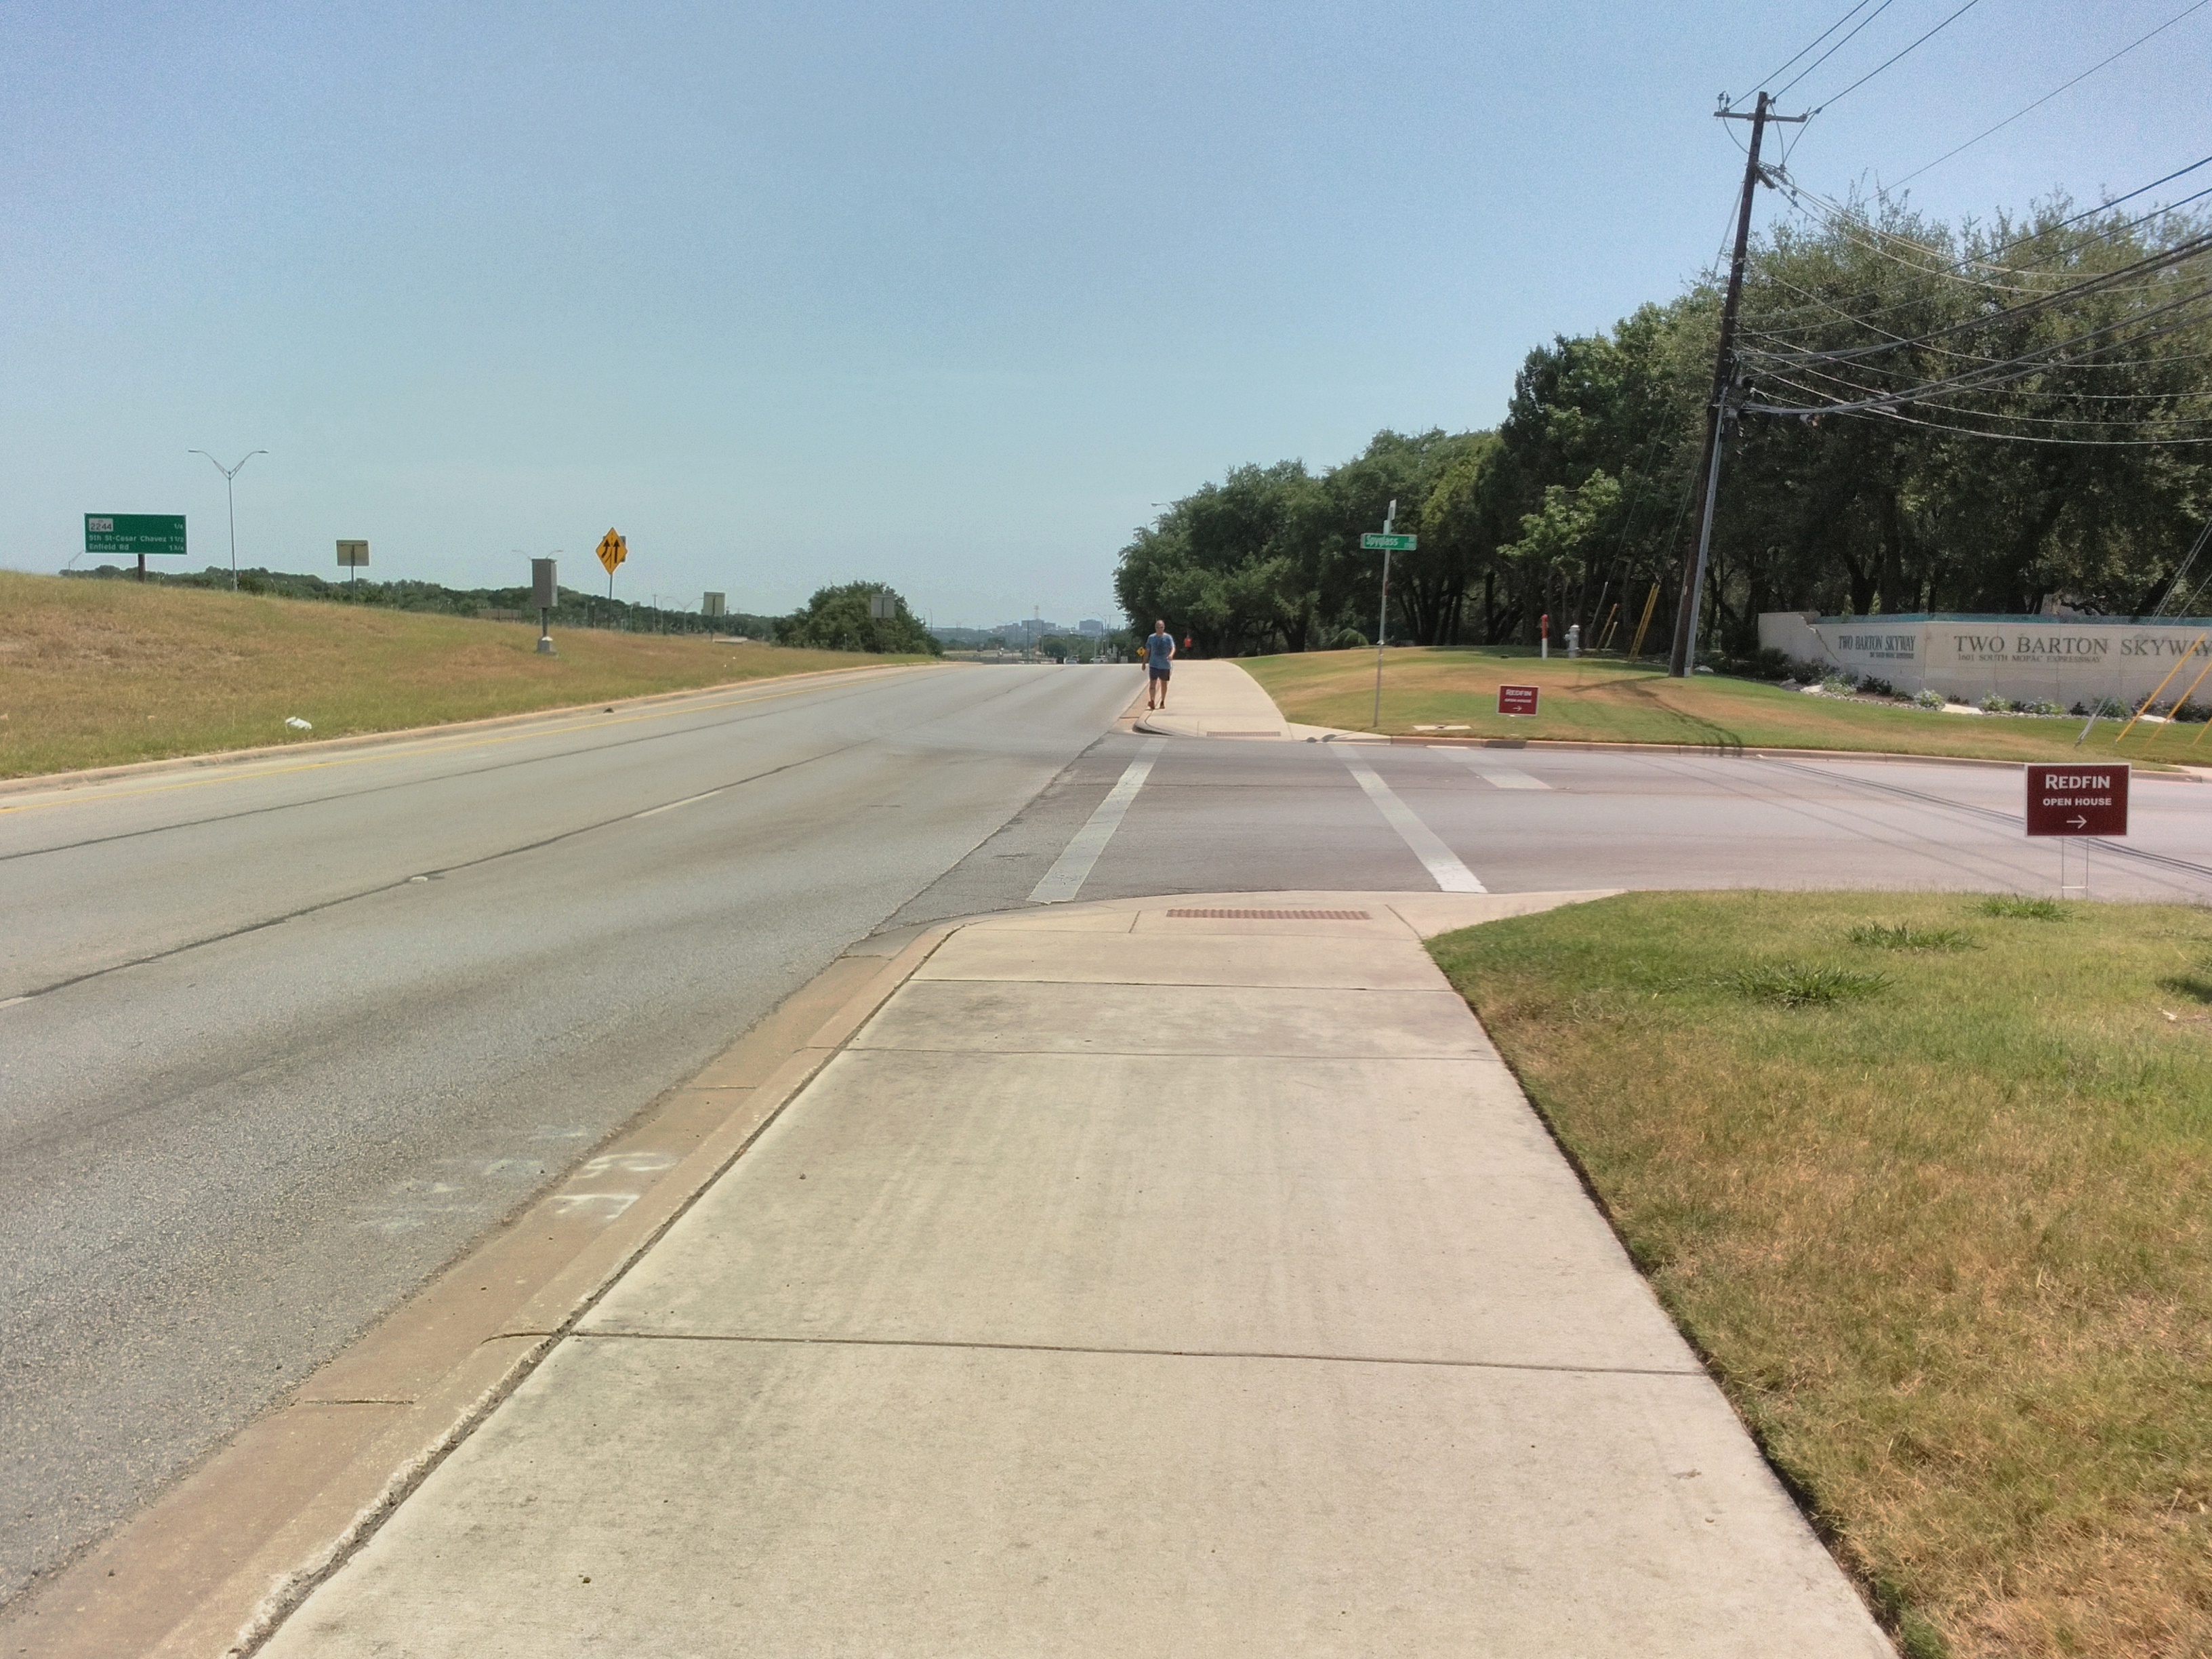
839,619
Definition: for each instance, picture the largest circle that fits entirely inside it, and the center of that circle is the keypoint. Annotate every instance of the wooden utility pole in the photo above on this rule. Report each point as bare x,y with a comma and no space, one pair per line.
1684,655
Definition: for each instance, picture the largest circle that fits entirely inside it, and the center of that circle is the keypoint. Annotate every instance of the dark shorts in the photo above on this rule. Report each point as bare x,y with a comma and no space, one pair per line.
1159,671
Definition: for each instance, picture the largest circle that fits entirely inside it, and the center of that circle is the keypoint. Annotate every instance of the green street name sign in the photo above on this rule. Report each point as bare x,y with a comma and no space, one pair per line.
1375,543
133,534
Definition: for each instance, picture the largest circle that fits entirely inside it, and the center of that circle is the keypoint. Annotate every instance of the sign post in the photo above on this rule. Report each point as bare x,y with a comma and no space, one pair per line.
351,556
1387,544
613,549
2076,802
1516,699
161,534
545,594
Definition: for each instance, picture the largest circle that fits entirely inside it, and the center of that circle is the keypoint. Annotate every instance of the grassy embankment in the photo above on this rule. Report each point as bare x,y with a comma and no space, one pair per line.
96,673
1929,1179
1609,700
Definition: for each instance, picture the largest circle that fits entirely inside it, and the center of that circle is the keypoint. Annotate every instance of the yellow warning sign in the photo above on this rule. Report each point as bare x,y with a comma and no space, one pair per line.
613,549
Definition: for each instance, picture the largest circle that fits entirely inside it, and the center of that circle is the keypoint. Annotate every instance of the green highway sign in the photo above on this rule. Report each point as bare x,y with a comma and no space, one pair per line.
1375,543
135,535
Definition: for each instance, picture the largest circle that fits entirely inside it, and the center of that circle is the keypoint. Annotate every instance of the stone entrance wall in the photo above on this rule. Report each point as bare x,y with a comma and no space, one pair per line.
2066,660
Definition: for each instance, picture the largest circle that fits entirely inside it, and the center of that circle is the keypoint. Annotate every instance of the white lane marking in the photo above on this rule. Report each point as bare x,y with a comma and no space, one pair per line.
655,811
1442,865
1498,777
1073,867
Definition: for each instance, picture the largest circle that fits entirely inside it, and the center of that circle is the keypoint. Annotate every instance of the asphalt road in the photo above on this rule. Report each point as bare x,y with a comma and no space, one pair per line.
288,1036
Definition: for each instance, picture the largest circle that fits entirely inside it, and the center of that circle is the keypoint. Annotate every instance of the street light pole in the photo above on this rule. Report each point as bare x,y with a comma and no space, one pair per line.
228,473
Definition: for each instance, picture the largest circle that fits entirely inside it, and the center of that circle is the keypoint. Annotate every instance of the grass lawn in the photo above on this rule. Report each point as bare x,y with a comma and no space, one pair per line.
1929,1180
92,673
1595,699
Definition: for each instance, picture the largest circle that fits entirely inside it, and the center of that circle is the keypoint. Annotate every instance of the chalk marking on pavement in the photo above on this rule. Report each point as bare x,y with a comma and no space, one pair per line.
1441,862
1498,777
627,1163
655,811
598,1206
1073,867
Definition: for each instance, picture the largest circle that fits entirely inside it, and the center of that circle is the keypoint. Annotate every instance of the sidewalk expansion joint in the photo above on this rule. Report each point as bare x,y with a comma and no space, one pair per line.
1185,984
1135,1354
1177,1053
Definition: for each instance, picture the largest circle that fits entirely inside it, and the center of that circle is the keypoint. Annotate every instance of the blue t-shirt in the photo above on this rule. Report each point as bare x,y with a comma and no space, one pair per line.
1159,647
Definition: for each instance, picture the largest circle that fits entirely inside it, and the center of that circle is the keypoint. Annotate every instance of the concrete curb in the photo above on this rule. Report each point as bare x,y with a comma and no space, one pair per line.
1750,751
2174,770
361,740
215,1565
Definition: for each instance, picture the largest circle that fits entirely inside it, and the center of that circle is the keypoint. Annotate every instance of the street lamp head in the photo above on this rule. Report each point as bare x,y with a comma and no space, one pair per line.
228,472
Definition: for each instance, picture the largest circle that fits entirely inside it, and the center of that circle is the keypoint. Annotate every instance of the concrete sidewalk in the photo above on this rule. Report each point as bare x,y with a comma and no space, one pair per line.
1214,699
1157,1277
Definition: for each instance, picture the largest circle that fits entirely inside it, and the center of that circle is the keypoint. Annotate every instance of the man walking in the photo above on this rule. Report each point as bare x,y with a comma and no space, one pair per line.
1159,652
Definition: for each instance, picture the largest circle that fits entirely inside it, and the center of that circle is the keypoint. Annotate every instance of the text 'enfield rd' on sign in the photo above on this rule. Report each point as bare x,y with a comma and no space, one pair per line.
1516,699
130,534
2077,800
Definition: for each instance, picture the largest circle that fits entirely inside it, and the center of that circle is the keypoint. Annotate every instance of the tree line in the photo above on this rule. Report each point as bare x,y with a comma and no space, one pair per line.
838,618
2059,368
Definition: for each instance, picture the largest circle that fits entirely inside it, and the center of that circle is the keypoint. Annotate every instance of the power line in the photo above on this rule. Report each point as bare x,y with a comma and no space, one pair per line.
1771,74
1794,351
2054,92
1915,47
1936,401
1852,224
2025,437
2019,368
1833,50
2178,254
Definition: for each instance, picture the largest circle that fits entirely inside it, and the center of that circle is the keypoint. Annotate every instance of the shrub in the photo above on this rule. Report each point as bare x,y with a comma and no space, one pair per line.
1994,704
1926,699
1838,686
1873,686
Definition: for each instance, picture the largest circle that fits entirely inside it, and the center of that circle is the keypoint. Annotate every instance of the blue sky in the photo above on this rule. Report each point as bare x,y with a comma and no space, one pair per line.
946,296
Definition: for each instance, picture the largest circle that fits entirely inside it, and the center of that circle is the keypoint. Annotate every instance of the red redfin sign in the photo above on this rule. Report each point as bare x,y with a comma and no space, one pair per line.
2077,800
1516,699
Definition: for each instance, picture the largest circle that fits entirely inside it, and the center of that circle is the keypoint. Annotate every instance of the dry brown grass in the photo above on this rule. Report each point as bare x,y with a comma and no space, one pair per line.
1948,1245
95,673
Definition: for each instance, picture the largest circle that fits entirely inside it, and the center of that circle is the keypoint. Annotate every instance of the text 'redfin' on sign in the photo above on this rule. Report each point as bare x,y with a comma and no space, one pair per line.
2077,800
